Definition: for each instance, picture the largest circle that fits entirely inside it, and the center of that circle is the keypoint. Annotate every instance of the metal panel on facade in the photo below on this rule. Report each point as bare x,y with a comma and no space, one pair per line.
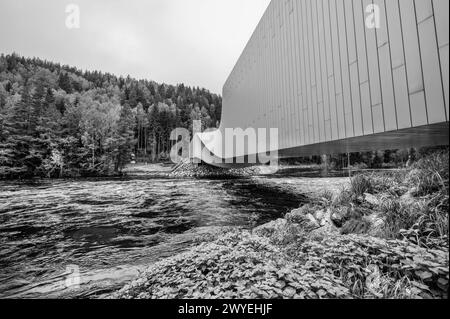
348,106
431,71
384,55
316,71
331,93
424,10
441,9
354,68
398,64
324,70
337,69
374,76
413,62
395,33
366,107
401,97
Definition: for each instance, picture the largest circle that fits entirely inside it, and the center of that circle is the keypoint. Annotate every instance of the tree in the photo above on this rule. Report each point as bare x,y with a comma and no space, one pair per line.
64,82
37,106
2,97
17,152
125,137
153,124
49,98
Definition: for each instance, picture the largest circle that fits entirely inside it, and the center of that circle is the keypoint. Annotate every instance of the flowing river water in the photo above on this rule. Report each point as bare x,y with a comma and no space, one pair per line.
111,229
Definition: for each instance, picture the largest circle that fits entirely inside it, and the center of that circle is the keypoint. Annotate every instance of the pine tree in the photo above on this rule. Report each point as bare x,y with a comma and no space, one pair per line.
17,152
153,125
49,98
65,83
125,137
37,107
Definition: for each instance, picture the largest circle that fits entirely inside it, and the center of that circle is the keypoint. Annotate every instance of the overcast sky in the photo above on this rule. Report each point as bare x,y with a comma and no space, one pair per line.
196,42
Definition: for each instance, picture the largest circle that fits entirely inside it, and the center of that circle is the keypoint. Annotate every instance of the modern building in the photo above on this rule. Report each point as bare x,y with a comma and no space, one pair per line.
338,76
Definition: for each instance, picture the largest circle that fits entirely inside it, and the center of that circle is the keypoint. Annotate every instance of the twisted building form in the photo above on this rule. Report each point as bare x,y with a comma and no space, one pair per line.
339,76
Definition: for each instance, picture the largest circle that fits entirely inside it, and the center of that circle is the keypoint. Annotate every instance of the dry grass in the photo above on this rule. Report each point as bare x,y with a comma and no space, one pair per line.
361,184
430,174
413,202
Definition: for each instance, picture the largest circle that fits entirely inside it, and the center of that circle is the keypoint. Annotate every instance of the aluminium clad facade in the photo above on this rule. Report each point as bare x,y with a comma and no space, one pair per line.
314,70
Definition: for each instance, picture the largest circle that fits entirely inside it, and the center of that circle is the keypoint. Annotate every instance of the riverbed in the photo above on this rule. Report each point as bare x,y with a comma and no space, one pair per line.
108,230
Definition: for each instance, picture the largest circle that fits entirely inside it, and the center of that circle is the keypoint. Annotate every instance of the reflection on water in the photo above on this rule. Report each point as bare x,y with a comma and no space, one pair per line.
112,228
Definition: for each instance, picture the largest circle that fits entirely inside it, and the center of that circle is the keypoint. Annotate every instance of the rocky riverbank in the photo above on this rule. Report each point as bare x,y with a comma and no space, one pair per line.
188,169
383,236
279,260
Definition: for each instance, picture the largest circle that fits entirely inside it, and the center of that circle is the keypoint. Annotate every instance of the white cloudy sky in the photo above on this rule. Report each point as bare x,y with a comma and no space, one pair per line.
196,42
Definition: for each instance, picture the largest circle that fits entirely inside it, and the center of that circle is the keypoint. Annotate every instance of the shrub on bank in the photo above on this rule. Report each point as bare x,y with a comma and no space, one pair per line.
430,174
360,184
413,203
376,268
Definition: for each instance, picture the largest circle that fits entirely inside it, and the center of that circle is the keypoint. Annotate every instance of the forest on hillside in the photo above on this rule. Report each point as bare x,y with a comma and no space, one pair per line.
59,121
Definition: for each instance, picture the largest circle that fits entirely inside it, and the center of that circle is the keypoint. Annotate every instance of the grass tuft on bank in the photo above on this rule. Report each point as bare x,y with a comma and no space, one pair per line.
411,204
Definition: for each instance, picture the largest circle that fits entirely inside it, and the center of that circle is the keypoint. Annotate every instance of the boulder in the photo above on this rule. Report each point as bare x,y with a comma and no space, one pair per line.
319,215
408,197
271,228
377,224
312,221
338,216
289,292
297,216
326,218
371,199
326,226
303,216
280,231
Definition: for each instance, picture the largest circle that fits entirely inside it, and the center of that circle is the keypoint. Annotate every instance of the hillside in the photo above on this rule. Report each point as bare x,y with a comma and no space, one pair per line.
59,121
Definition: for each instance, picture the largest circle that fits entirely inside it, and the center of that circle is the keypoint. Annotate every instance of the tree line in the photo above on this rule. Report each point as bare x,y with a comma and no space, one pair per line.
59,121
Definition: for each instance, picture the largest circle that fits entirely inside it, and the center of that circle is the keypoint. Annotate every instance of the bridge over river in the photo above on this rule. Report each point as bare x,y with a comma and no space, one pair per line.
337,76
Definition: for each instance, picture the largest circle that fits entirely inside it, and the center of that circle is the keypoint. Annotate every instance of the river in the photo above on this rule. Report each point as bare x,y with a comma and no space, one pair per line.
110,229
